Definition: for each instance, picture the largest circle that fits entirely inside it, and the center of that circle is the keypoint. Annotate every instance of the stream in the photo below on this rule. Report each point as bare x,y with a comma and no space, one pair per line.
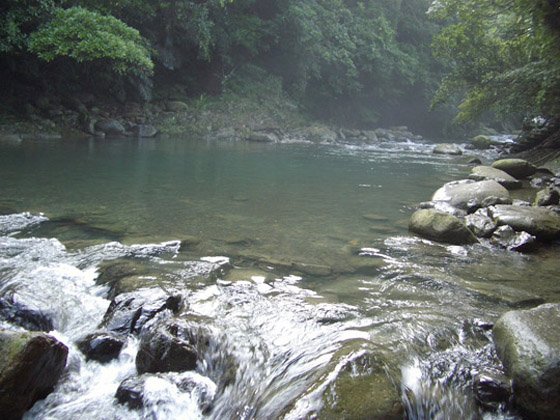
293,260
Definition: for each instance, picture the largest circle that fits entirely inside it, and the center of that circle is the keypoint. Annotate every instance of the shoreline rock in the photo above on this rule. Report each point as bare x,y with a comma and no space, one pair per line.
528,344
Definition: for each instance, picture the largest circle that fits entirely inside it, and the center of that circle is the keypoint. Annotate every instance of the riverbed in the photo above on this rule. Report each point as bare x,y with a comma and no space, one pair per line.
296,257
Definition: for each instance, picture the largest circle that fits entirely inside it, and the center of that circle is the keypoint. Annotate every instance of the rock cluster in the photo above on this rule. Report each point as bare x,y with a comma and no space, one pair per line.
482,207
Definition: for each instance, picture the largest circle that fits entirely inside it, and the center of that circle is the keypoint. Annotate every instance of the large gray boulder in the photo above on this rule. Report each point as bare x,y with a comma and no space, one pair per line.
484,173
538,221
528,344
441,227
470,195
447,149
518,168
30,366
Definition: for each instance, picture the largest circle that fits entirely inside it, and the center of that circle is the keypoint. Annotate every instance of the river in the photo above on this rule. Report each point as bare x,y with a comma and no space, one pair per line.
322,301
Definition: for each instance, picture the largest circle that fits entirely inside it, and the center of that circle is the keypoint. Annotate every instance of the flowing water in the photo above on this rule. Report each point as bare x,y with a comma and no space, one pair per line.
296,259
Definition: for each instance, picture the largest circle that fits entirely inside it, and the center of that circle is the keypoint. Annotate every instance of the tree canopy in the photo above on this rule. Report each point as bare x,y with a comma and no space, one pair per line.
502,55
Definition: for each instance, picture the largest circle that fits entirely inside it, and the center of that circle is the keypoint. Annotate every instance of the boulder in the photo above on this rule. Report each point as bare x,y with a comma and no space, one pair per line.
538,221
30,367
441,227
176,106
480,223
470,195
547,197
447,149
482,142
144,130
517,168
129,312
163,348
528,344
262,137
484,173
102,347
508,238
110,127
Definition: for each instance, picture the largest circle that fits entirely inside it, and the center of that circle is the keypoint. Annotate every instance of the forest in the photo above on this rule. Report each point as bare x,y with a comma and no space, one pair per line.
355,63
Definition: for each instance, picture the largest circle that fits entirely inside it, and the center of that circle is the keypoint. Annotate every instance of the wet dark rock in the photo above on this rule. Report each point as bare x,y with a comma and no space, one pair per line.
129,312
528,344
480,223
110,127
517,168
131,392
492,390
470,195
144,130
508,238
30,367
447,149
474,161
538,221
164,348
483,173
24,315
547,197
101,347
441,227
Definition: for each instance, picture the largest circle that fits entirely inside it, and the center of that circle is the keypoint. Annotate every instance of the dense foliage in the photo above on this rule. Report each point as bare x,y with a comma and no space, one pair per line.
351,61
503,55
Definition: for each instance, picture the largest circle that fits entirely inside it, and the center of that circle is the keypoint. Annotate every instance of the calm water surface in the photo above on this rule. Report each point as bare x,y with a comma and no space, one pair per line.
328,300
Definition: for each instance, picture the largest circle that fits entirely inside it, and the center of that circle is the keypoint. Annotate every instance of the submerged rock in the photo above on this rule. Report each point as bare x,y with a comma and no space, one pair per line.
102,347
447,149
441,227
518,168
538,221
470,195
30,366
528,344
483,173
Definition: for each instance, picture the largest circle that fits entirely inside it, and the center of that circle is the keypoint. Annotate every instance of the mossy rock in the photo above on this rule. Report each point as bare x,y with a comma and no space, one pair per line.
30,367
482,142
362,390
441,227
